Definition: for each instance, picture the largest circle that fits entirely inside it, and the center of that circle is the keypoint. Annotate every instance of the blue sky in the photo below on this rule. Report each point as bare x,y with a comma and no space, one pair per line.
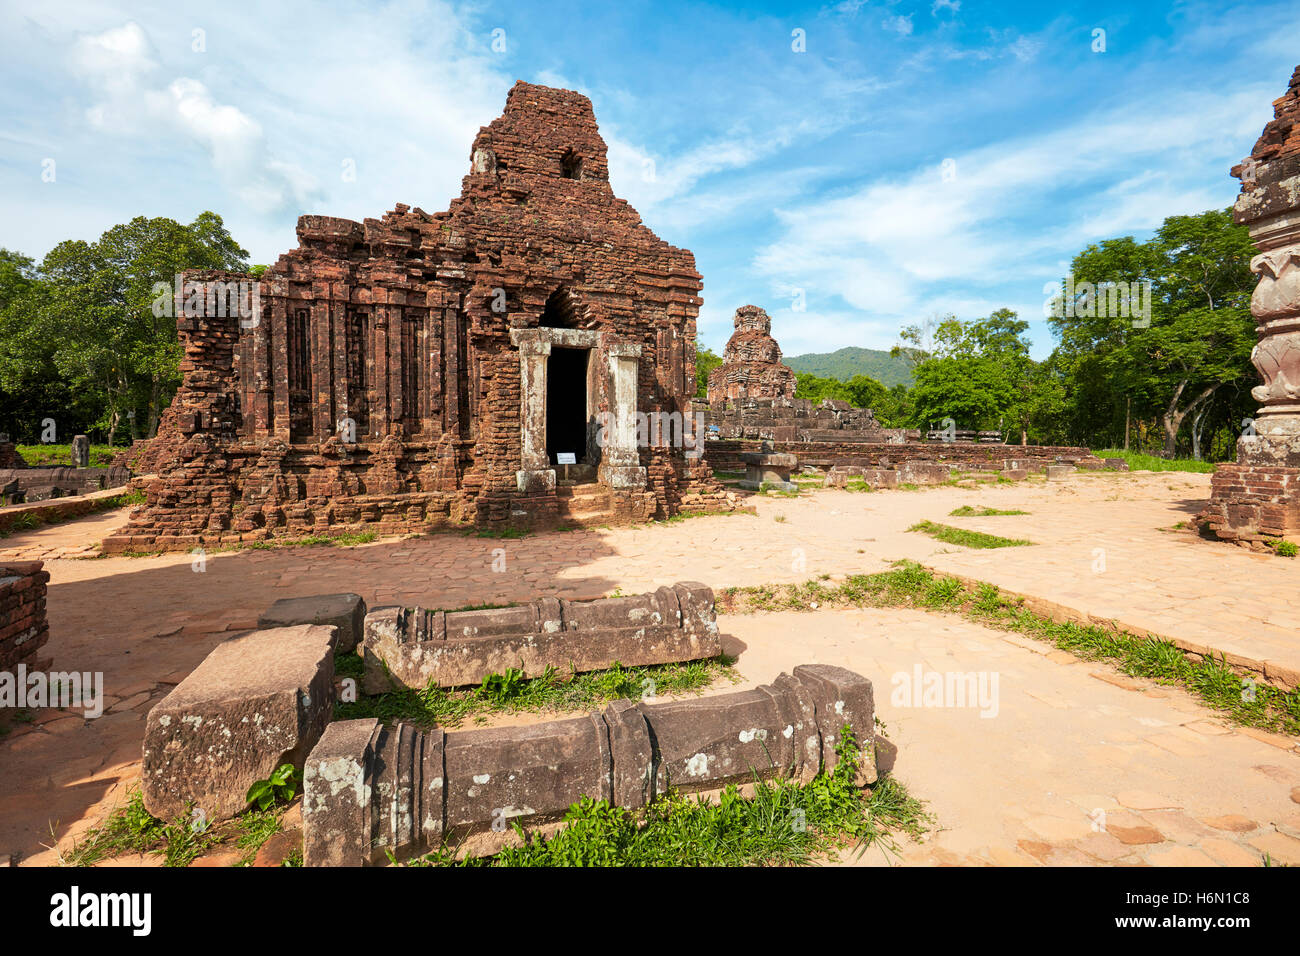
916,158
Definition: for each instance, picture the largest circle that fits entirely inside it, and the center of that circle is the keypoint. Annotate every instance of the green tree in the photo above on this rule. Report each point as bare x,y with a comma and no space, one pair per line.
706,360
1195,339
977,373
99,320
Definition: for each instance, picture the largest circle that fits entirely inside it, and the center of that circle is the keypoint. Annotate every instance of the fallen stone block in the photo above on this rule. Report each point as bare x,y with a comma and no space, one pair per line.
370,791
345,612
924,472
841,475
1115,464
257,701
1059,471
414,647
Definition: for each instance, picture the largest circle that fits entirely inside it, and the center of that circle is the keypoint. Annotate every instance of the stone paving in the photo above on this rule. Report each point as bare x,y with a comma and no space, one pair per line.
145,622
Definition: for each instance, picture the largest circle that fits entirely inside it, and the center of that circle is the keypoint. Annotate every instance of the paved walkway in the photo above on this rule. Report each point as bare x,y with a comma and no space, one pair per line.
1068,763
145,622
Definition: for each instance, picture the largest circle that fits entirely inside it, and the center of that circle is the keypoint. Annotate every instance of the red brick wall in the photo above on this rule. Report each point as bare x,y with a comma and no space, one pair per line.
23,628
724,455
406,331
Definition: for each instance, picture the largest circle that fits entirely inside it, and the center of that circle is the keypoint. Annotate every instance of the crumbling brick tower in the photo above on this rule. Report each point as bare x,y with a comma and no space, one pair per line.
1258,498
751,363
425,369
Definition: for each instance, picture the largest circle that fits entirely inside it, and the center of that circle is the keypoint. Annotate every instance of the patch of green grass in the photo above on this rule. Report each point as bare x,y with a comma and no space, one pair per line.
46,455
857,484
512,693
706,513
767,488
256,827
966,538
502,533
966,511
909,585
783,823
1140,462
1286,549
130,829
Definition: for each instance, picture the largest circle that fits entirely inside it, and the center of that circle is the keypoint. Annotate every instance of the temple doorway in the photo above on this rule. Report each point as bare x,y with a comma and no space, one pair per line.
566,403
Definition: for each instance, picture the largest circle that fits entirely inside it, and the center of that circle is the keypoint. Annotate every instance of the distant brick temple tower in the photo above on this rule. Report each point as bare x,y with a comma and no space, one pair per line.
1258,498
751,363
421,369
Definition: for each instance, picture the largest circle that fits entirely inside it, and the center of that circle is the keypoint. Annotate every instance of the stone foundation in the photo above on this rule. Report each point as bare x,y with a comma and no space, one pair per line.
726,455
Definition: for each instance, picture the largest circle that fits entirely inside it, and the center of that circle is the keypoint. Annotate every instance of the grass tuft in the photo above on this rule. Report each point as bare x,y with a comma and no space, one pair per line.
966,538
512,693
909,585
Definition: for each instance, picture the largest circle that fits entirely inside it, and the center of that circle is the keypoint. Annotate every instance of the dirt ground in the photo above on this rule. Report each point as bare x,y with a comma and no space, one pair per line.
1078,764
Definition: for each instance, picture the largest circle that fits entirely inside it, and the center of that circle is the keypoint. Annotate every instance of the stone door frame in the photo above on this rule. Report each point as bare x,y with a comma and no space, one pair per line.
620,462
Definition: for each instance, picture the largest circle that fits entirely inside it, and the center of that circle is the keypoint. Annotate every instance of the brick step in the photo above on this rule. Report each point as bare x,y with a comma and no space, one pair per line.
588,488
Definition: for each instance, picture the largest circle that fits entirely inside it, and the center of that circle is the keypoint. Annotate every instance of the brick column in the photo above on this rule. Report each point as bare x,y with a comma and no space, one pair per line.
1258,498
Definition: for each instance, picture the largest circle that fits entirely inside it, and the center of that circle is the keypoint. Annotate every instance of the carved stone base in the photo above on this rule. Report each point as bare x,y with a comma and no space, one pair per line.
622,476
533,482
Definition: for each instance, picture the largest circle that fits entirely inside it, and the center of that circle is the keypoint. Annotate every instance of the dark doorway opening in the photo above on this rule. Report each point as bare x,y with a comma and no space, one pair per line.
566,403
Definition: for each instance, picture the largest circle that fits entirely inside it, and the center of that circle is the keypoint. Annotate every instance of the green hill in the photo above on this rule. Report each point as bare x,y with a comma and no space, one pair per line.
844,363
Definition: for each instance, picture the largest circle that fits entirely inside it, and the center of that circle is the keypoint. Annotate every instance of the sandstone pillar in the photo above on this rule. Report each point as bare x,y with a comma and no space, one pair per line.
80,451
620,461
536,473
1257,499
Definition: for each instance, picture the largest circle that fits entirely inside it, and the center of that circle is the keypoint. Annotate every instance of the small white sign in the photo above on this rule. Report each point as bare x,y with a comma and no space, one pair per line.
566,458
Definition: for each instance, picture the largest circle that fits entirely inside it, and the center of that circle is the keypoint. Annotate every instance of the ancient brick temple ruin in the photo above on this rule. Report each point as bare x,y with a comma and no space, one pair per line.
751,395
1257,499
434,369
751,363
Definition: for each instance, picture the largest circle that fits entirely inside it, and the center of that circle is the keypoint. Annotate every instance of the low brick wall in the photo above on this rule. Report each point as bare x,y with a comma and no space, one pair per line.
413,647
23,627
1252,504
724,454
369,789
58,509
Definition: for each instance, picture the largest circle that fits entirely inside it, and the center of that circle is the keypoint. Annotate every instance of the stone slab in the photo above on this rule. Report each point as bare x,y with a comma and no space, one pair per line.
257,701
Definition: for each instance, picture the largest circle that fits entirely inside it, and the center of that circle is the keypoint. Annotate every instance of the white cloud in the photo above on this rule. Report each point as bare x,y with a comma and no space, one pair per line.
951,5
902,25
896,249
121,65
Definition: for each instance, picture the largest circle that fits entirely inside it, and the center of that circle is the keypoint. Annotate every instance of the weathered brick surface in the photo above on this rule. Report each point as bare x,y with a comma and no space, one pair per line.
793,420
726,455
378,385
23,626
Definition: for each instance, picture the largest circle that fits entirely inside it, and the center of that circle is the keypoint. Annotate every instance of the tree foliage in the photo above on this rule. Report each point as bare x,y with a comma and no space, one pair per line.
81,341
